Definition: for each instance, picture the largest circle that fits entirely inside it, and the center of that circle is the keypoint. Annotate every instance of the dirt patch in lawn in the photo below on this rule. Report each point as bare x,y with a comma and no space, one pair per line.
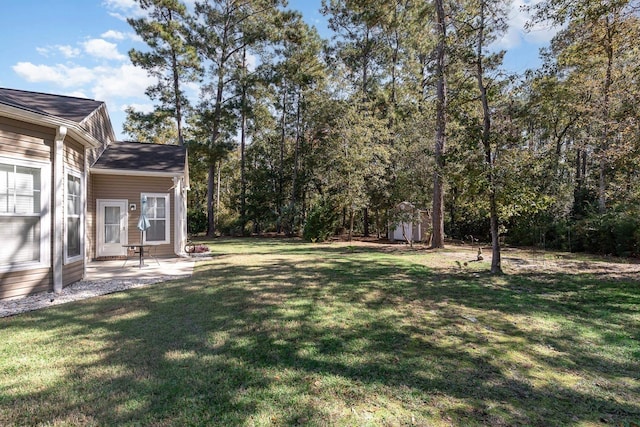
514,260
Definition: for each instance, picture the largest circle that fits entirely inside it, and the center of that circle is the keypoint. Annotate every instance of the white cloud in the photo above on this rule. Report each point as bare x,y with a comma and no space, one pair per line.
119,35
517,33
59,74
252,62
122,4
124,81
121,9
105,83
112,34
66,51
143,108
76,93
100,48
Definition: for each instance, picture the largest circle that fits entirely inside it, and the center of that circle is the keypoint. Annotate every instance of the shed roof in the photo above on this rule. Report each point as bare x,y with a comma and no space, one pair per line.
143,157
65,107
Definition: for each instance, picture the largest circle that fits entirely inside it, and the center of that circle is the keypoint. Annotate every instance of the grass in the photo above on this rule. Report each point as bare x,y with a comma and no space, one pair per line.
279,332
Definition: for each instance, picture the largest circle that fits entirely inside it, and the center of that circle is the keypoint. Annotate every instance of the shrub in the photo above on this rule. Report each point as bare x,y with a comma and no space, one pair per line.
321,222
196,221
614,233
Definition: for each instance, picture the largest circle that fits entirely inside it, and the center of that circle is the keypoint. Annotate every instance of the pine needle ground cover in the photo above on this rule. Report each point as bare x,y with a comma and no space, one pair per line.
280,332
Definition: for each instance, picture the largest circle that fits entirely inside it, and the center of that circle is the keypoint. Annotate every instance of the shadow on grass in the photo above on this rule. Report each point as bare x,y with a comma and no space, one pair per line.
313,336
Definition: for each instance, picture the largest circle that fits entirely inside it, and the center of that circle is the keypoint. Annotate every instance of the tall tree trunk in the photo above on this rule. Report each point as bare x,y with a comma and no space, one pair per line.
437,240
296,159
352,215
365,219
496,265
176,94
211,224
218,182
217,116
283,123
602,183
243,127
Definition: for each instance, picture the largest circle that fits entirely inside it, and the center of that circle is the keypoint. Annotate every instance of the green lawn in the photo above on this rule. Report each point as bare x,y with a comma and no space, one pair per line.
279,332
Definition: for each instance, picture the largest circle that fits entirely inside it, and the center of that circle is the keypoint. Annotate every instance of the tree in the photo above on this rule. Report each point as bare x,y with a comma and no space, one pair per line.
225,29
356,156
478,24
156,127
596,34
172,59
437,240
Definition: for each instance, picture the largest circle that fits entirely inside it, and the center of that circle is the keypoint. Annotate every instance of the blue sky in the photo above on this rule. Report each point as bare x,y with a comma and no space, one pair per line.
79,48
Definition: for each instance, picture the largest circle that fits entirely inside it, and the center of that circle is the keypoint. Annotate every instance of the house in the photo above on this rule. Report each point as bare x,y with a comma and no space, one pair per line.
70,193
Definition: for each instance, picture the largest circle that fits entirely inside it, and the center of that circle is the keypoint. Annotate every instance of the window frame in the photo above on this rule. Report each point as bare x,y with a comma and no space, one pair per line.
75,258
44,215
167,218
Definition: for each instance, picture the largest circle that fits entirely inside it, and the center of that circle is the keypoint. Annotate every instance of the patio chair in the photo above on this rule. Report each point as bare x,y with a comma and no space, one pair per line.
132,253
150,252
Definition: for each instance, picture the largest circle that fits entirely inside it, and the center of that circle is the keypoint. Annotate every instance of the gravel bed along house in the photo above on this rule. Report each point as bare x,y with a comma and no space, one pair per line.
77,291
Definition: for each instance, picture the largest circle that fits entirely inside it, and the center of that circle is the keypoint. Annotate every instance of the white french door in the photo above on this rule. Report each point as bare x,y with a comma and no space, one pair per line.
111,227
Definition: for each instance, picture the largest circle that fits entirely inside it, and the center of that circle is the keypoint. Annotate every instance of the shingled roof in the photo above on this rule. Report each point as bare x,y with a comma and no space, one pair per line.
142,157
65,107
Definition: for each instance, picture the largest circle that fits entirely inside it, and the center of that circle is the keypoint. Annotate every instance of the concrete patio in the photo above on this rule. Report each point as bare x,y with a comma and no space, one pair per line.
116,269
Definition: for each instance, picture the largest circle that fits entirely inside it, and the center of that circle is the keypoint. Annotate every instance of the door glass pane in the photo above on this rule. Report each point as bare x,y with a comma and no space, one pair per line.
112,233
112,224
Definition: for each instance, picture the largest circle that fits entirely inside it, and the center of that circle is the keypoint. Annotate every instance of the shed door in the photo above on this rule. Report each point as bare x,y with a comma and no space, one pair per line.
111,228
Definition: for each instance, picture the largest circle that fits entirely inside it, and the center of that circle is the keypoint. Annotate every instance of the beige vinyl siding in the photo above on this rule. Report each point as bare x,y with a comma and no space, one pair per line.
26,282
25,141
130,188
73,272
98,124
74,154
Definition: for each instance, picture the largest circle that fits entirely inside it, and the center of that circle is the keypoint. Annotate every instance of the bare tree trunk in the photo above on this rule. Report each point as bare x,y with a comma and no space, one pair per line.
214,139
218,182
283,122
365,214
437,240
294,178
602,183
496,265
352,215
243,129
211,224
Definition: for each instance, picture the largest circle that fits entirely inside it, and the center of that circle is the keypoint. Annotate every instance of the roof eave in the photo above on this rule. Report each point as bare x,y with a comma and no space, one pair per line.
131,172
74,128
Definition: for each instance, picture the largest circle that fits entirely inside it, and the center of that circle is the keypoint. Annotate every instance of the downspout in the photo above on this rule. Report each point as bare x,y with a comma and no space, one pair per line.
180,209
58,208
84,247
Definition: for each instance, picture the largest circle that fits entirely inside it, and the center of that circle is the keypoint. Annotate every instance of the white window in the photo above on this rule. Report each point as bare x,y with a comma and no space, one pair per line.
157,212
73,216
24,230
